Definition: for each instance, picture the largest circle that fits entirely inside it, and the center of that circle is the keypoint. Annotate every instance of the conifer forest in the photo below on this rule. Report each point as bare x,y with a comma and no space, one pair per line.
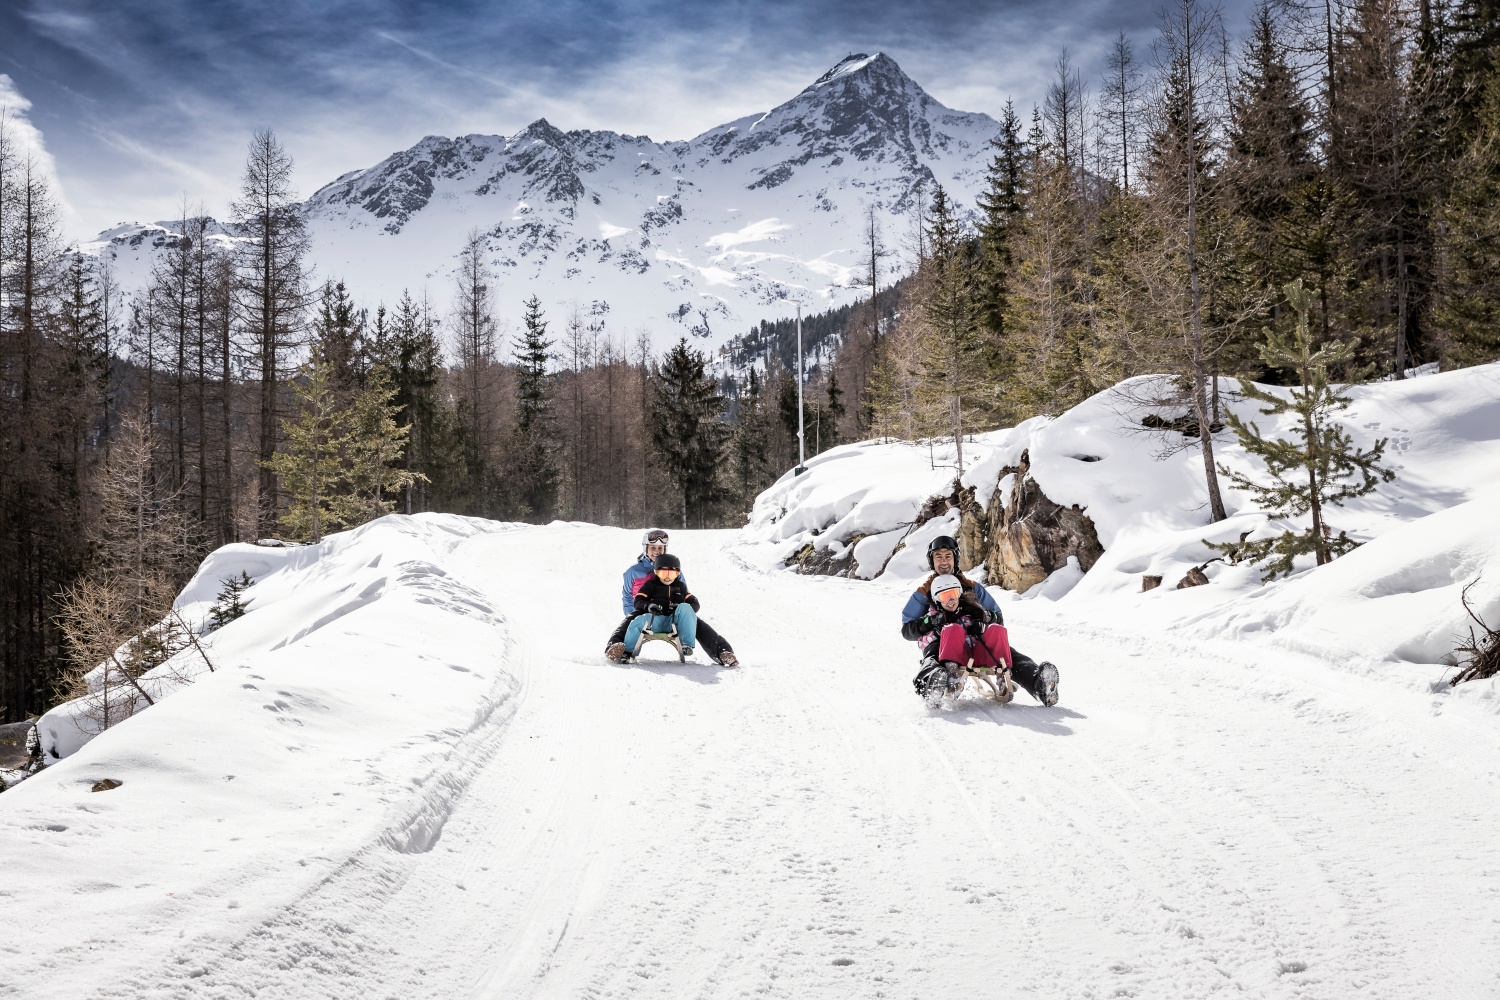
1153,220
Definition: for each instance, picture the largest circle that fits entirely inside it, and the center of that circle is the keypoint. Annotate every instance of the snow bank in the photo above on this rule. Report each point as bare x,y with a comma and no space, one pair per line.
1393,602
324,730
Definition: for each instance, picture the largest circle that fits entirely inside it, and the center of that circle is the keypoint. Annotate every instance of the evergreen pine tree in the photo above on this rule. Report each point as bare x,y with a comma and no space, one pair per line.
1269,156
340,332
1311,471
1002,204
312,464
750,446
1469,301
686,431
955,359
533,461
835,410
230,603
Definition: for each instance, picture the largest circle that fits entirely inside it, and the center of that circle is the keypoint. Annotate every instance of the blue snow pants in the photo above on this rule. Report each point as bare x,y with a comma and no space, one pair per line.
684,617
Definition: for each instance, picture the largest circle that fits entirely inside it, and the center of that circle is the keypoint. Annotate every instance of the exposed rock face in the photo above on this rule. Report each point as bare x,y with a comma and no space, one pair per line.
1195,578
20,752
1030,536
812,561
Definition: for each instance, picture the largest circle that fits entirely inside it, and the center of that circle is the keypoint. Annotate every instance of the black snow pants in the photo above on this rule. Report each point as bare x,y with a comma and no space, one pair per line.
713,643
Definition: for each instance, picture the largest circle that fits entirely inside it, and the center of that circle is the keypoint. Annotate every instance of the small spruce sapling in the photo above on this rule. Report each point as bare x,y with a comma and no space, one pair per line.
228,605
1312,471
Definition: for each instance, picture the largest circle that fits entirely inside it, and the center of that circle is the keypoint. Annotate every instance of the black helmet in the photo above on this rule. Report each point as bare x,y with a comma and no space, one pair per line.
942,542
667,561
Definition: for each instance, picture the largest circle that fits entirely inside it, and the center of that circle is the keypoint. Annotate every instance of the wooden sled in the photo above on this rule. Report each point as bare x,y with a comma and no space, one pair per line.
997,679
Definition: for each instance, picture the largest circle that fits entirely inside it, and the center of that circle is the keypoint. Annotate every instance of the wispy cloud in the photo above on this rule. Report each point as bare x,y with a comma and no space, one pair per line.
27,138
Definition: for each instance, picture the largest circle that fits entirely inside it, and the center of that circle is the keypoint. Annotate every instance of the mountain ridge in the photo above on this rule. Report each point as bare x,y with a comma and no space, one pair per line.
705,236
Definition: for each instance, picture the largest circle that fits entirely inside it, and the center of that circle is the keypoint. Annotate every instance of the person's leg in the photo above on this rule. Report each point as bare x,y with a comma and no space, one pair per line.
996,642
633,633
1039,679
619,633
686,620
953,644
714,644
982,655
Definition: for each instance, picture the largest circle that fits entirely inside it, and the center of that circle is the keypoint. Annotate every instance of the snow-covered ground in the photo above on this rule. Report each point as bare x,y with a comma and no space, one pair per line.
446,792
413,775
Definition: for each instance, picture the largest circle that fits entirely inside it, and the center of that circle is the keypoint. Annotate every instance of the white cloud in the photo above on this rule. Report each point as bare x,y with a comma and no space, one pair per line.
26,138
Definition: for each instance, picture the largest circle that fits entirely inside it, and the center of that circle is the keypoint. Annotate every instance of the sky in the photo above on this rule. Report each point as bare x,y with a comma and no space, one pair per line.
147,105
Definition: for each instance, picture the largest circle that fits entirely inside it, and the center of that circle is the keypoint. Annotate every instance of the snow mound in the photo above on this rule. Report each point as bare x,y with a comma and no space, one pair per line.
324,731
866,494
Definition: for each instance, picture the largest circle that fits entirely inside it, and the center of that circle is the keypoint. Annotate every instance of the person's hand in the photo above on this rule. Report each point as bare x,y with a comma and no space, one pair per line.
935,618
974,627
656,609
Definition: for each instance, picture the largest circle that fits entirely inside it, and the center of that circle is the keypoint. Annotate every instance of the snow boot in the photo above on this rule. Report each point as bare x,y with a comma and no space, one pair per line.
955,677
1046,684
728,659
616,652
930,681
687,652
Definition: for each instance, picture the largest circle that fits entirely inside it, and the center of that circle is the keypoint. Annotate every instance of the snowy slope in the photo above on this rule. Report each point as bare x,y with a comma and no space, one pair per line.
703,237
428,803
1394,602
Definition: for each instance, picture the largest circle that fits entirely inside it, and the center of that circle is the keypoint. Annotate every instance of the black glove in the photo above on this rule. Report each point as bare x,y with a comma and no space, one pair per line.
656,609
975,627
935,619
995,618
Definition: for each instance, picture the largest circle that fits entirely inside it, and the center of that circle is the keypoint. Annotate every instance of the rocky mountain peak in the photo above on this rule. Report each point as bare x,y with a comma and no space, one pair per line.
859,67
542,130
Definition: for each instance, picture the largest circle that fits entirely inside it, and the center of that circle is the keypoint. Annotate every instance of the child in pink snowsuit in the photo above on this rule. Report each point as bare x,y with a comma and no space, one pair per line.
964,631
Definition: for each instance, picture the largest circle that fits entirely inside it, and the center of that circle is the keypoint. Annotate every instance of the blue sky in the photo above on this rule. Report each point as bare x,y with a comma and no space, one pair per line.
145,103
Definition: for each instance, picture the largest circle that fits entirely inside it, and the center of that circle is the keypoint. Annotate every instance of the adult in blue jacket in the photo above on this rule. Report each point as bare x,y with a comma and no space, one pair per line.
922,618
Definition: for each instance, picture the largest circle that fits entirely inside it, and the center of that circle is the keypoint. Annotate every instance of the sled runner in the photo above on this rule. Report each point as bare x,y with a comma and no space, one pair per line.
670,638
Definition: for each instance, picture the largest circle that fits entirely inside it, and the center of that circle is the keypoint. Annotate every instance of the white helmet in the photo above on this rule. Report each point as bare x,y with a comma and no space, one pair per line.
654,536
944,584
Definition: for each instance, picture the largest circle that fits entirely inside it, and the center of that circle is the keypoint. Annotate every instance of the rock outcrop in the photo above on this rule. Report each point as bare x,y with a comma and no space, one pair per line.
1030,536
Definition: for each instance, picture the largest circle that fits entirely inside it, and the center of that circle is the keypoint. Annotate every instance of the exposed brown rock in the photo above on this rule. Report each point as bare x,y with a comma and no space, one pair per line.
813,561
1030,536
106,784
1195,578
1149,582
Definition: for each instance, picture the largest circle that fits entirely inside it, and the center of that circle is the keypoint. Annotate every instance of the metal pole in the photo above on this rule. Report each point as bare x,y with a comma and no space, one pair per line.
801,430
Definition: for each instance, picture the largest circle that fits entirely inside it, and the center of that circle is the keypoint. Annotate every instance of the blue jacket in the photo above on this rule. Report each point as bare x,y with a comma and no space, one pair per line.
638,573
921,598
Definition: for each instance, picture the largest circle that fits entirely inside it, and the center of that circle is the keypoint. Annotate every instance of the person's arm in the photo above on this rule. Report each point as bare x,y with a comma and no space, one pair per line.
643,598
919,617
988,603
627,590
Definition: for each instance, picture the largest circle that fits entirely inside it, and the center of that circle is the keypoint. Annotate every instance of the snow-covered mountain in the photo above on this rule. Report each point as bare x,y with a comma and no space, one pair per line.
705,237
